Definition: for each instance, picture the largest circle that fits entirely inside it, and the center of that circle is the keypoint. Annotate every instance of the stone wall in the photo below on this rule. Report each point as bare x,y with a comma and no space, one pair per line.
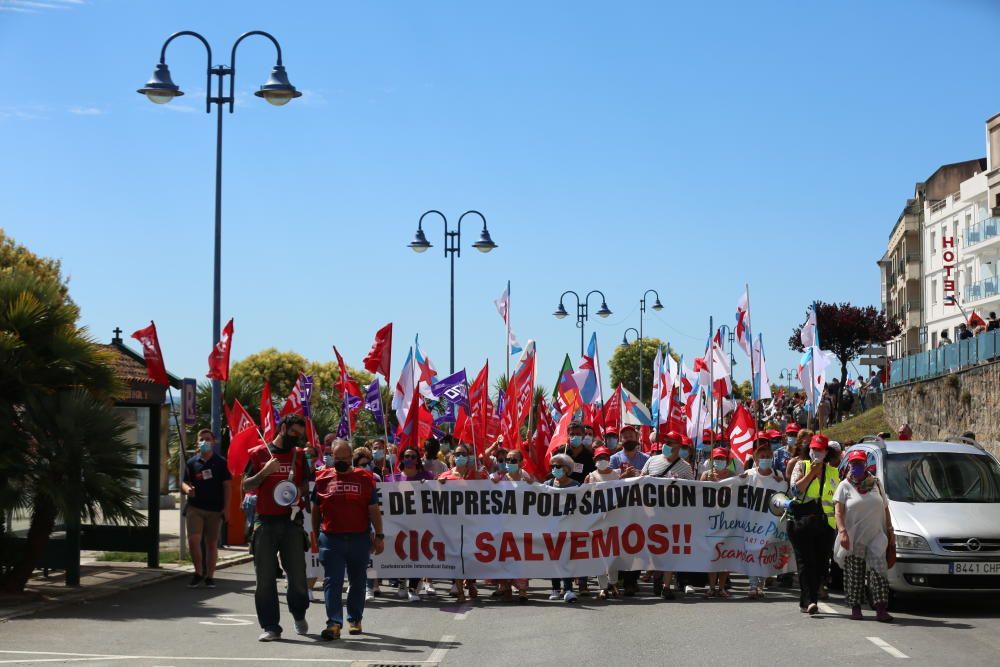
965,400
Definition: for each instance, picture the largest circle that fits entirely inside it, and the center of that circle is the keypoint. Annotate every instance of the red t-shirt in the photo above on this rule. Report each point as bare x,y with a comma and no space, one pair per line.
260,455
344,499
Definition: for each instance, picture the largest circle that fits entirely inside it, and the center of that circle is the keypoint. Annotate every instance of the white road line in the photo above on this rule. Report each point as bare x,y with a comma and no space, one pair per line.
437,655
887,647
825,608
175,658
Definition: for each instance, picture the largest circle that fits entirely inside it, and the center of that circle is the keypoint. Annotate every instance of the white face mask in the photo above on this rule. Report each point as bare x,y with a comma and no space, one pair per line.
817,455
603,464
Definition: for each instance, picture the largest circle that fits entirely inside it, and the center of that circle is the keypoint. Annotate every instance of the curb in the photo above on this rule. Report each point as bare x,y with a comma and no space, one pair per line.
98,593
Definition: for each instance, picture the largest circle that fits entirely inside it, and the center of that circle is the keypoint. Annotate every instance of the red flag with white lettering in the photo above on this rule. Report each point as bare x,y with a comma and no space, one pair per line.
267,413
742,433
218,360
155,369
243,436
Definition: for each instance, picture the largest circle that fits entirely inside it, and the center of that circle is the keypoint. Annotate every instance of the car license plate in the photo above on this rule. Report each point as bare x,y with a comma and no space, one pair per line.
967,567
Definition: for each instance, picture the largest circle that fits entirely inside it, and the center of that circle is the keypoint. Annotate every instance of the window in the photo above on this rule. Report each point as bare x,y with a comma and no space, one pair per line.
934,292
933,243
931,477
934,339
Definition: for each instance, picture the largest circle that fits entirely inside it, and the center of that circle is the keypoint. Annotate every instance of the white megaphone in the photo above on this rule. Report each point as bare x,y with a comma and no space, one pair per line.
285,493
779,503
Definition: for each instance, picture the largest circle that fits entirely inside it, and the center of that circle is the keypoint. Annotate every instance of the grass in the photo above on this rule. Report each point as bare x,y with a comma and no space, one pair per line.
867,423
166,557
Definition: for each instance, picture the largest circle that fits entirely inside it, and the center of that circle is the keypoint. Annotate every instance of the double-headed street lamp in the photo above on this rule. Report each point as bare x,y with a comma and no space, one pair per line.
452,248
160,89
582,312
786,374
642,311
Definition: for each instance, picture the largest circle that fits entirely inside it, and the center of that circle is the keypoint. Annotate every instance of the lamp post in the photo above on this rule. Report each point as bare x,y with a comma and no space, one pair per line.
642,311
582,313
452,249
160,89
786,374
625,343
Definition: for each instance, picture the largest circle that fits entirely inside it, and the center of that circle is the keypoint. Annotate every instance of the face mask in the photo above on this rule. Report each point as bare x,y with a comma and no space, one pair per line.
328,461
575,440
817,455
204,447
558,473
683,452
765,464
611,441
790,441
513,467
409,463
588,440
603,464
461,460
378,454
341,466
718,464
858,469
630,445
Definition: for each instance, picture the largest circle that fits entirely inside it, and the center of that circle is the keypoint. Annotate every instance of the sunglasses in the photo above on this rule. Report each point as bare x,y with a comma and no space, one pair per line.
512,460
409,457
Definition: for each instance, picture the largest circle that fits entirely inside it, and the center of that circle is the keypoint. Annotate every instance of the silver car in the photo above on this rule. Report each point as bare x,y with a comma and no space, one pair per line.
944,498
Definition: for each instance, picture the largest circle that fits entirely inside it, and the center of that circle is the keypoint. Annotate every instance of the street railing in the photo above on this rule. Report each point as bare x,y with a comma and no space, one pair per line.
933,363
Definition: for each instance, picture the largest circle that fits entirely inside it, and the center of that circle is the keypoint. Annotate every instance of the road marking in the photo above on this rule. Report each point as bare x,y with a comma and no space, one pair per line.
462,615
887,647
437,655
825,608
231,619
79,657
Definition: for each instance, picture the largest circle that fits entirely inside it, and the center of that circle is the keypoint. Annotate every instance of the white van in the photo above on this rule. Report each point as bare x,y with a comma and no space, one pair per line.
944,498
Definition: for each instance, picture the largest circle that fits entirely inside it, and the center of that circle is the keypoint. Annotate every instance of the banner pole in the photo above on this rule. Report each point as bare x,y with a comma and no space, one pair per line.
507,327
181,464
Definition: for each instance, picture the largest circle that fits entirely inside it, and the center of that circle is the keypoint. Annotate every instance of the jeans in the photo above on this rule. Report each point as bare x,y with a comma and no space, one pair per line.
274,535
339,552
567,584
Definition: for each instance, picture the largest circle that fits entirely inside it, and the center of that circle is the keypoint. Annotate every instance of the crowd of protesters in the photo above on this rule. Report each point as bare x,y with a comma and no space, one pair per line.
836,506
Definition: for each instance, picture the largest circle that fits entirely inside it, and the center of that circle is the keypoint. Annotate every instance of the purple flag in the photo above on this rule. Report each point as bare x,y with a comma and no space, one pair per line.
448,417
501,402
454,388
373,401
305,394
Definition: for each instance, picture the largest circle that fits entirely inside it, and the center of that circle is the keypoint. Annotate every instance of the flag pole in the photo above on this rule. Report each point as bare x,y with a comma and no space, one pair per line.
753,372
507,327
385,416
181,464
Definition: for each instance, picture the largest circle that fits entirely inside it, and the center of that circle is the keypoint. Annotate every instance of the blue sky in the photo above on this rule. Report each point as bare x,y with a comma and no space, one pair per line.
684,147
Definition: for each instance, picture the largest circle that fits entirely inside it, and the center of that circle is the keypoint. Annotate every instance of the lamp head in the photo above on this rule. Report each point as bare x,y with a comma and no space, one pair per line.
278,91
485,243
160,88
560,311
604,310
657,305
419,242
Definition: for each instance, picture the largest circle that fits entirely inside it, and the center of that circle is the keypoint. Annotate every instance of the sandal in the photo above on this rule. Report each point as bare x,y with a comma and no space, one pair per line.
602,595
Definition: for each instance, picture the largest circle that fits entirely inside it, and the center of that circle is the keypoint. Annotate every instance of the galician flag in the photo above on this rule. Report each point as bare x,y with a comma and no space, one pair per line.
743,321
503,307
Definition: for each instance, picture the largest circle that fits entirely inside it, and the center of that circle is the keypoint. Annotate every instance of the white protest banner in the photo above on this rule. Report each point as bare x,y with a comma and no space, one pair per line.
510,530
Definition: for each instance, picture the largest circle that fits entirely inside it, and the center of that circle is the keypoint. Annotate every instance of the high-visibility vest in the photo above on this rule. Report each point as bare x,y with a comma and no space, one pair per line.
826,496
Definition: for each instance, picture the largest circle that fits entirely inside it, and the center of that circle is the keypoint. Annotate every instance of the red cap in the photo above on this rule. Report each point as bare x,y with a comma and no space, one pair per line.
772,433
686,440
673,435
792,428
720,451
706,434
819,441
610,431
857,455
627,427
602,451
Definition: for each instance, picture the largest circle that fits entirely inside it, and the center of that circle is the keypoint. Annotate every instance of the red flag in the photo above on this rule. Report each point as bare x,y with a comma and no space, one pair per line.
293,404
613,410
742,433
409,435
151,353
975,320
243,437
379,357
561,433
267,413
534,457
479,401
218,360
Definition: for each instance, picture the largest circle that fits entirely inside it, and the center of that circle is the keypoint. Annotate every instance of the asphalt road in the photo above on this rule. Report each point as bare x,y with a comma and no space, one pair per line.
168,624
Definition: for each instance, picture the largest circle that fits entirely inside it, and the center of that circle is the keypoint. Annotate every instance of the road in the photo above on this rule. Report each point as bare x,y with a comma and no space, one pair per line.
168,624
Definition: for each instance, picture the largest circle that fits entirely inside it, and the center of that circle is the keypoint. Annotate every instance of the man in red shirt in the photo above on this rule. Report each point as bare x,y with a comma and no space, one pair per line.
345,510
274,529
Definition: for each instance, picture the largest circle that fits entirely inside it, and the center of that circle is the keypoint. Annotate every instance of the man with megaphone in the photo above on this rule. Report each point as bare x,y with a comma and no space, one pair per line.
277,472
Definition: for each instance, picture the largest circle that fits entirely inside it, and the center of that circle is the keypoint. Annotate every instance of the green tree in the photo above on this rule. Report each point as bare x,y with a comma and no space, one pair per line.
624,366
63,452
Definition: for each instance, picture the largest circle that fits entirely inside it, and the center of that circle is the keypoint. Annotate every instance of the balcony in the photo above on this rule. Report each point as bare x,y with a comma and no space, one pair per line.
982,231
984,289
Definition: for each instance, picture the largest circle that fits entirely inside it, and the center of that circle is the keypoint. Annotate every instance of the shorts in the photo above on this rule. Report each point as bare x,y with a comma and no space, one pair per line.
203,522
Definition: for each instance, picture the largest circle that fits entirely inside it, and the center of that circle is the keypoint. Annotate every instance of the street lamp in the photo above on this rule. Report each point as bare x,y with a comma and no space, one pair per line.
642,311
160,89
786,374
625,342
452,248
582,313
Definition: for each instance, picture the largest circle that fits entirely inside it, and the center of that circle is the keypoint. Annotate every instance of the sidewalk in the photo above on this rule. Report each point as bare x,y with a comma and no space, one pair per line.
102,578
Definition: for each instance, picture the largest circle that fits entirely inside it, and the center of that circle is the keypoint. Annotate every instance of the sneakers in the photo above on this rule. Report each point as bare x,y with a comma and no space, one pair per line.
411,596
689,590
403,593
209,582
369,595
269,636
301,626
555,595
882,615
812,609
195,580
570,596
427,589
354,627
331,633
